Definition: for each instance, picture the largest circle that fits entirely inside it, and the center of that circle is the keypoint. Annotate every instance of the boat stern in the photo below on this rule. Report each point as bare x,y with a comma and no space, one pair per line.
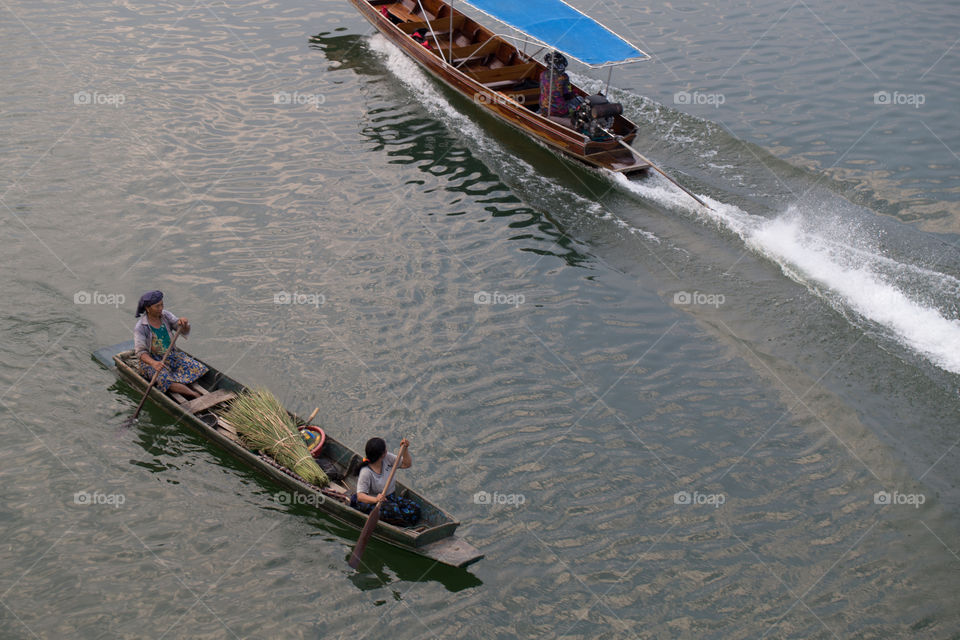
105,355
454,551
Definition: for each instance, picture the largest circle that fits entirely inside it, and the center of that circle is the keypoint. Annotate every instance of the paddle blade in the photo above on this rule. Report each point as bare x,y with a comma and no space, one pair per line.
368,528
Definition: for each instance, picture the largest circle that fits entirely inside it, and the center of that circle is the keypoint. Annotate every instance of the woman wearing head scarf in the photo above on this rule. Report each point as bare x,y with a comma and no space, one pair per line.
151,339
555,88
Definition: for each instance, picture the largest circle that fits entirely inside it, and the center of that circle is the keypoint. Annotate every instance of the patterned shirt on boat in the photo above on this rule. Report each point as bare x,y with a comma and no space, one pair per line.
143,333
558,91
161,339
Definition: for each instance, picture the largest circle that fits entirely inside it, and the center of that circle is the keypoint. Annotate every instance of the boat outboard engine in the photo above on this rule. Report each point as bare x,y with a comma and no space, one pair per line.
593,114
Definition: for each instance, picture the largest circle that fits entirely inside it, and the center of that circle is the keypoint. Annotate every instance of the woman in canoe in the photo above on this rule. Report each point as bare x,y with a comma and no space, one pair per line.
373,474
151,339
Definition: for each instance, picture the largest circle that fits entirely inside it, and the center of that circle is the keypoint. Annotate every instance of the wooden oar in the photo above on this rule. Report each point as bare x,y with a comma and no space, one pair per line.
655,167
154,380
374,516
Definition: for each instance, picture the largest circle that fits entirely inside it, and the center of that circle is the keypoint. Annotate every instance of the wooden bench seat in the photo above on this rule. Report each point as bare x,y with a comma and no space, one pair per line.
499,85
209,400
473,51
407,14
506,75
440,25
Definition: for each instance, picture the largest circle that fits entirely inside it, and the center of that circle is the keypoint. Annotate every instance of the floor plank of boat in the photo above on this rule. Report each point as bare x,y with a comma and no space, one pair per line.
209,400
228,430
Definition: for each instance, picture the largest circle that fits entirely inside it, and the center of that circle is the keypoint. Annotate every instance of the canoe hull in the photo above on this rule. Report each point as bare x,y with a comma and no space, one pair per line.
436,542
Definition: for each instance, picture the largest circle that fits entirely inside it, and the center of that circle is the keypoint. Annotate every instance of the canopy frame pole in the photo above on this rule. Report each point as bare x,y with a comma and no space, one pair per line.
609,75
430,26
450,55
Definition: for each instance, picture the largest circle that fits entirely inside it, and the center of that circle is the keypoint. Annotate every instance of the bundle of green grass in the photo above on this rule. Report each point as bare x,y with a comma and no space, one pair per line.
266,426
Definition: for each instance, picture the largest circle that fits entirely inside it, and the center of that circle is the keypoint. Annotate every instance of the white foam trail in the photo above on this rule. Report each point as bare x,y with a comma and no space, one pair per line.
835,267
402,66
863,290
623,224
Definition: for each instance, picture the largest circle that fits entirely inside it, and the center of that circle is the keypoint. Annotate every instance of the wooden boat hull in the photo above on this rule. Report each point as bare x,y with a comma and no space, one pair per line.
506,104
436,540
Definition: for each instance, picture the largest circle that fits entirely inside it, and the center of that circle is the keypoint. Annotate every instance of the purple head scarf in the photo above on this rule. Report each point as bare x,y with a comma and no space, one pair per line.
148,299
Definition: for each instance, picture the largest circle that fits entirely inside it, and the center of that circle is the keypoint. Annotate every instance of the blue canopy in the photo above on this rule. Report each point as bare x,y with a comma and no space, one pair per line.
560,26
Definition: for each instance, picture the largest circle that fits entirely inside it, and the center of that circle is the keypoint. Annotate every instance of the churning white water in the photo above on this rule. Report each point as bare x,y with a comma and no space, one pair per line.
814,246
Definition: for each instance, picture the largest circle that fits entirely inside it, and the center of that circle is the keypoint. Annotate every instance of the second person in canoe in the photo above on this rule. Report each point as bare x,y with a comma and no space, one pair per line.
371,479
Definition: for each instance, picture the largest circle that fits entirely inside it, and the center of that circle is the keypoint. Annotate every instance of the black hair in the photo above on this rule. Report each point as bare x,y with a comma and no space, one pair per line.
374,450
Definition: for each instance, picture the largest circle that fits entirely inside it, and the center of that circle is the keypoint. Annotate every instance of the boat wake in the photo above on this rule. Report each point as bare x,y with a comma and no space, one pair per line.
814,244
842,262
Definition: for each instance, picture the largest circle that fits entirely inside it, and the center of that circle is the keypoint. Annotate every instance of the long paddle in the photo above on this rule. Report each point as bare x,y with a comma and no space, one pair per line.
374,516
655,167
154,380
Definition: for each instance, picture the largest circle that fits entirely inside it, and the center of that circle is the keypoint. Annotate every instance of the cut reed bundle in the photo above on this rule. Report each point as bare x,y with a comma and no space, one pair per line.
266,426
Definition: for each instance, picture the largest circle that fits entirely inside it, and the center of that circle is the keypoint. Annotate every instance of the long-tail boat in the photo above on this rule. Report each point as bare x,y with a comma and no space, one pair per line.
433,535
505,80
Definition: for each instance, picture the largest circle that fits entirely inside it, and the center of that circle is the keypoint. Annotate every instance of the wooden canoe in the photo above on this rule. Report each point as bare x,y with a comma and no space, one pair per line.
433,537
497,76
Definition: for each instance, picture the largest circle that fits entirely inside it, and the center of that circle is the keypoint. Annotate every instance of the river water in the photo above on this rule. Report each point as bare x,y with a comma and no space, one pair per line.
732,423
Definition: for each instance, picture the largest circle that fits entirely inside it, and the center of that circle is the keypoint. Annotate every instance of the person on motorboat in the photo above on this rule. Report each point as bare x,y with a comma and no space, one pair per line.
151,339
556,92
371,479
